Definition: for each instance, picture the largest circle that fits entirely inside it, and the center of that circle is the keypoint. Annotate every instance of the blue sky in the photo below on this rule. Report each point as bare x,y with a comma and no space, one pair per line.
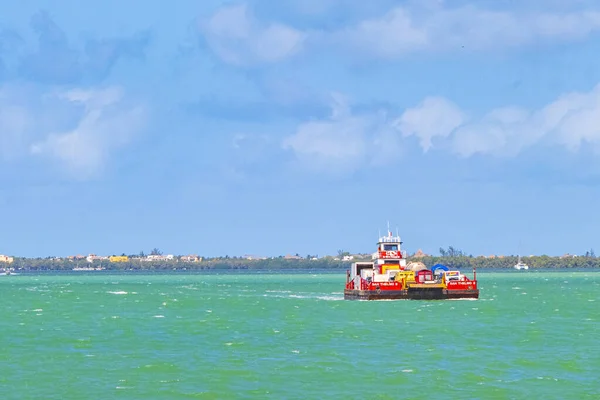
299,126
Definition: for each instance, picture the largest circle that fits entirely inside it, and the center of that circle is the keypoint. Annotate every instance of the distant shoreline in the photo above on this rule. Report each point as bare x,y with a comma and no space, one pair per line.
240,272
283,264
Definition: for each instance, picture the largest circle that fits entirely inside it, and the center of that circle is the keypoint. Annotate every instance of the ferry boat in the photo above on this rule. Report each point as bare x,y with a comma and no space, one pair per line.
387,277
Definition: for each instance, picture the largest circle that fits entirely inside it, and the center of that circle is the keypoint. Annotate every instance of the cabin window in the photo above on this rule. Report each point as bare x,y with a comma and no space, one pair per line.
390,247
396,262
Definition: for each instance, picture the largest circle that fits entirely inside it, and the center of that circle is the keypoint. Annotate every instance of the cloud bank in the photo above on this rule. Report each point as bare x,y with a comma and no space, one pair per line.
239,38
346,141
107,123
78,128
404,30
343,143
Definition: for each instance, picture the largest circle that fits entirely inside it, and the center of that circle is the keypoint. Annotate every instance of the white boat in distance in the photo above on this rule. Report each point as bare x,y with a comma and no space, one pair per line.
521,265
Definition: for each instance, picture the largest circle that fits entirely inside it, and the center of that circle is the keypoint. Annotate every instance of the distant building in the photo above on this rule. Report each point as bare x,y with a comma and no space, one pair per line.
92,257
567,255
118,258
6,259
190,258
159,257
290,257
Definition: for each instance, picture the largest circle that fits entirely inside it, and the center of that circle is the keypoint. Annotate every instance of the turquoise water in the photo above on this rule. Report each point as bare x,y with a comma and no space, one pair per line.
292,336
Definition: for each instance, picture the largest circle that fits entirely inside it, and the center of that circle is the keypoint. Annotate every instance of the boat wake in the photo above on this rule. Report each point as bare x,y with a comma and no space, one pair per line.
336,296
467,299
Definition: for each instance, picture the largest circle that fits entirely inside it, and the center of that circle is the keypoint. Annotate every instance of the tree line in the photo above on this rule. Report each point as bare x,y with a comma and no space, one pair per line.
458,260
221,263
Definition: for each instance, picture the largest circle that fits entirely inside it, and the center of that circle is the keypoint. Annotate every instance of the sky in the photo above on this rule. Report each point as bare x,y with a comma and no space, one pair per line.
299,126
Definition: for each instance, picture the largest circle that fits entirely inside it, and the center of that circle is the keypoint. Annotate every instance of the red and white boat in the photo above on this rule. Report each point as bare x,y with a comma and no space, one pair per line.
387,277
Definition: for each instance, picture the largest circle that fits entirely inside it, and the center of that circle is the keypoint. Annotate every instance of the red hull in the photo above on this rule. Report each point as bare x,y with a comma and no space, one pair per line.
411,294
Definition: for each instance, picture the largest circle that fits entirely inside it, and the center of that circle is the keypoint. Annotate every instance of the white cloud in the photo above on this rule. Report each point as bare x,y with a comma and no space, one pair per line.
108,122
570,121
238,38
440,28
576,118
503,132
344,142
78,128
435,116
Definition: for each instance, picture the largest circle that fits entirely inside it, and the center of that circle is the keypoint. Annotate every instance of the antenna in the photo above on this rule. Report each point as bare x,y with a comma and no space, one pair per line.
388,227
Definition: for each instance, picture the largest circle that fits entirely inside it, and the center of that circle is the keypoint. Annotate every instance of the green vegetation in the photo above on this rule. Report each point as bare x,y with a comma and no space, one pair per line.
457,260
535,262
221,263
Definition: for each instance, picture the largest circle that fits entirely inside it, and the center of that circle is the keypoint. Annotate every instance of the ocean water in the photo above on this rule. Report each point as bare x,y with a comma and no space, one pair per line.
531,334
